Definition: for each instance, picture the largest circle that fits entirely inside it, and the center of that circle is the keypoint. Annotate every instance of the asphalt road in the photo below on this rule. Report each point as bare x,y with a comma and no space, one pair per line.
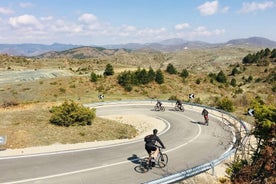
188,144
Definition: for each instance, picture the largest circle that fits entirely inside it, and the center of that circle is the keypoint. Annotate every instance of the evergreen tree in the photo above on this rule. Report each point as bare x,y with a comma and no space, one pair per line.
93,77
159,77
108,70
151,75
171,69
184,73
221,77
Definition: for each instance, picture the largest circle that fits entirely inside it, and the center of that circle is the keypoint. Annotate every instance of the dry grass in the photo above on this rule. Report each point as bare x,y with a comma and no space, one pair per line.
28,124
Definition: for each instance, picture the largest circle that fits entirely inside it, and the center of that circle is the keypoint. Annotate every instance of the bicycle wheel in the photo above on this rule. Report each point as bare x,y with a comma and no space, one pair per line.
162,160
143,166
162,108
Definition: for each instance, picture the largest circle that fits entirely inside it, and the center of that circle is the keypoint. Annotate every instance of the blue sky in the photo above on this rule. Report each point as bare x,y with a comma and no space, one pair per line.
99,22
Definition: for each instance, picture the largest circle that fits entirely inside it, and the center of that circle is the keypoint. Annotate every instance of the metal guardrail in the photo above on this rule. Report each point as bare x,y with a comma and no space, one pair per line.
207,166
200,168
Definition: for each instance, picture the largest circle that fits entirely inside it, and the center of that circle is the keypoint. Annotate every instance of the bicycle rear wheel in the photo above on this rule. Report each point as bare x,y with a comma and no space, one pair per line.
162,160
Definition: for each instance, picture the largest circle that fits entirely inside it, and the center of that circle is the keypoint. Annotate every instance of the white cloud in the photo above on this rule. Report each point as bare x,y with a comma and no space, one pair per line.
49,18
253,6
5,11
128,28
25,21
88,18
150,32
208,8
225,9
181,26
26,5
203,31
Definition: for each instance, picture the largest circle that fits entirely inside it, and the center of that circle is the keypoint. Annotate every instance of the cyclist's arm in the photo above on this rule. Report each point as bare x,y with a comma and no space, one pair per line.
160,142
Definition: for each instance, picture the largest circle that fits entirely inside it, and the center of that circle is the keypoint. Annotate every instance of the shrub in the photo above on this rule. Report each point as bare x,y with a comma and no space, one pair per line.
226,104
71,114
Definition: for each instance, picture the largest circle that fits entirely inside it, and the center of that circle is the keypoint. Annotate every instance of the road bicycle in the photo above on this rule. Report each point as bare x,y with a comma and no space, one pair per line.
159,108
179,108
160,162
206,118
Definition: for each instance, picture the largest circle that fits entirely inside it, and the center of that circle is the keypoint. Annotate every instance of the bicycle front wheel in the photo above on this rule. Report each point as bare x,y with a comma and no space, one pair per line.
163,160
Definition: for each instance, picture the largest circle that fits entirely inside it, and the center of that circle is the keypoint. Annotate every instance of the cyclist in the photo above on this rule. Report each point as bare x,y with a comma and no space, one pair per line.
179,104
151,148
205,114
158,104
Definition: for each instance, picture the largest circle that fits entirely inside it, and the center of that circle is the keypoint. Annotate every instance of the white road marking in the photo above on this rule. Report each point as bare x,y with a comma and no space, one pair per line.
99,167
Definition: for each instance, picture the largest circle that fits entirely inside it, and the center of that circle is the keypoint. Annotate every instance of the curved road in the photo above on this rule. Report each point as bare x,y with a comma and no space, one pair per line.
188,144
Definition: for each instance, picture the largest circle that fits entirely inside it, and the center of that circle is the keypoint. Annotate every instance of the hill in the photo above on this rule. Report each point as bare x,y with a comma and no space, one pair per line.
169,45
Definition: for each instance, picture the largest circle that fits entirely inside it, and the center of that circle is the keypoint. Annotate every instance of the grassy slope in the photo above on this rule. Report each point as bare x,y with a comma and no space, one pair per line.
38,96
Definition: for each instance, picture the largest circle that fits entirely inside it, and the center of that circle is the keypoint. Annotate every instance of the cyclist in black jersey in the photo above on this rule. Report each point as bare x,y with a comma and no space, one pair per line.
151,148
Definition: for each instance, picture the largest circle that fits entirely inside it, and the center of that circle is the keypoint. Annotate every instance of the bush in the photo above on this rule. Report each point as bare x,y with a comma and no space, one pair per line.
71,114
226,104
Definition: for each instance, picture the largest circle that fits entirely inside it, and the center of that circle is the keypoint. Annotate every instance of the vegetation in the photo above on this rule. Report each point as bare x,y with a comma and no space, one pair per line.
260,167
72,114
139,77
228,78
171,69
261,58
108,70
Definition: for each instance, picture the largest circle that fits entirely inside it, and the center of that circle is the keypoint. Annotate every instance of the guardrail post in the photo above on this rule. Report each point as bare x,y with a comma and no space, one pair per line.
213,168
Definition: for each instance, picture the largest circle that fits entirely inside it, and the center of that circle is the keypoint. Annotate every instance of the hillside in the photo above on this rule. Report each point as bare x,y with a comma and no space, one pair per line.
199,63
169,45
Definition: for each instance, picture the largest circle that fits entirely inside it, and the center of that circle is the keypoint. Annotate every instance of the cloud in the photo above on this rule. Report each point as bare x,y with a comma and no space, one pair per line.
26,5
208,8
5,11
181,26
88,18
24,21
203,31
253,6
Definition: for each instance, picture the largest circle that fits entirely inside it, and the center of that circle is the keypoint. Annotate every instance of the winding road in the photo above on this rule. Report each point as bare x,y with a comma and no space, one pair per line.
188,143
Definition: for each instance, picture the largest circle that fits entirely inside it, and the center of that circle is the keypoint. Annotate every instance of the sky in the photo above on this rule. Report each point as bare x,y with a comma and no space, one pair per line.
101,22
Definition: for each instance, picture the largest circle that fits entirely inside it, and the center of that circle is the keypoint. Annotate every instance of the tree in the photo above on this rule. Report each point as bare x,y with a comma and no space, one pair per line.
93,77
151,74
171,69
159,78
235,71
184,73
221,77
108,70
233,82
260,168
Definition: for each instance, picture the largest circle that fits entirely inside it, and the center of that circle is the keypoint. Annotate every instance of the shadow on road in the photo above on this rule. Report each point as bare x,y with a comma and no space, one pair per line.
198,122
134,159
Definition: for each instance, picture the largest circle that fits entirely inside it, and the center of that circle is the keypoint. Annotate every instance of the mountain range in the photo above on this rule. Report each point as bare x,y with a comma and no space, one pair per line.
168,45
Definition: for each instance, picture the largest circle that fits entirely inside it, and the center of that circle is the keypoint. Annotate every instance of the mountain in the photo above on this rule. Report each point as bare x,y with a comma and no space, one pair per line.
32,49
253,41
82,53
168,45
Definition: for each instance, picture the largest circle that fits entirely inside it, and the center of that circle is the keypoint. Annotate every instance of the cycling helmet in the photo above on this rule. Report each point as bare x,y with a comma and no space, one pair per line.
155,131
